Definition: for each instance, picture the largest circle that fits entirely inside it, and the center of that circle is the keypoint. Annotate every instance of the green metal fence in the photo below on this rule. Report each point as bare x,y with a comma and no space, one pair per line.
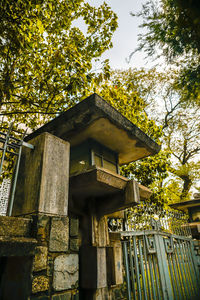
160,265
158,250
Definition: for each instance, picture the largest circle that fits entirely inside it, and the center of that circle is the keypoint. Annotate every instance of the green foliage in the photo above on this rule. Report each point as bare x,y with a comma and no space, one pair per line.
45,59
173,30
182,137
143,97
150,169
125,91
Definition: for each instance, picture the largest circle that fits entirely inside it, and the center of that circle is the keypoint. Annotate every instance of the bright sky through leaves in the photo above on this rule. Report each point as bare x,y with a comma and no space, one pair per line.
125,37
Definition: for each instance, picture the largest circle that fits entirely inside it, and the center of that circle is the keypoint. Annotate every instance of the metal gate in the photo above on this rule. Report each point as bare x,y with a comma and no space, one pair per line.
158,250
160,265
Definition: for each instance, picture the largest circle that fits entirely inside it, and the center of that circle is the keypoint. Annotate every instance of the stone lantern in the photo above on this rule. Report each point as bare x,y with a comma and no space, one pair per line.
101,140
193,208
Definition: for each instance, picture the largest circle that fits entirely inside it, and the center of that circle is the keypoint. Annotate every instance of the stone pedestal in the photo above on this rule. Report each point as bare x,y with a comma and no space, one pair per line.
42,185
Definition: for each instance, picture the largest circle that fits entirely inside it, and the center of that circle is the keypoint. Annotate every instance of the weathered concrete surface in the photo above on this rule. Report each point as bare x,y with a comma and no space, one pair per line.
99,234
74,244
74,227
114,262
112,192
15,237
42,185
41,228
11,226
117,215
93,267
59,234
132,193
17,246
95,118
65,272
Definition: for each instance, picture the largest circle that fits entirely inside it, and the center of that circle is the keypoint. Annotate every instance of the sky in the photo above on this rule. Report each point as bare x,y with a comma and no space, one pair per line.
125,37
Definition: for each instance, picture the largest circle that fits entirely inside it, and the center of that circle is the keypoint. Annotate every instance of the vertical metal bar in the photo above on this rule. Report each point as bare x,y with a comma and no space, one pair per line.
163,268
132,269
184,269
127,269
177,271
142,269
137,268
146,267
157,277
193,273
194,264
194,260
10,205
151,275
189,268
172,275
181,271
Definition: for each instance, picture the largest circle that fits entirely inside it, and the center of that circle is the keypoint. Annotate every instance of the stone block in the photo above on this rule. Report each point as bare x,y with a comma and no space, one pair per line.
65,272
41,227
74,227
40,284
40,259
74,244
42,185
114,263
65,296
100,235
93,267
132,193
12,226
59,234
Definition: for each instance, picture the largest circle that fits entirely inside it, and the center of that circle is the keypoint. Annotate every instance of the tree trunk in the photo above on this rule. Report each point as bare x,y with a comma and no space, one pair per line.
187,183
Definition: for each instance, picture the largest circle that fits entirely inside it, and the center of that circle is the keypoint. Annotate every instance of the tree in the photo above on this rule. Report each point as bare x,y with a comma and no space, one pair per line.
150,100
183,141
173,30
45,60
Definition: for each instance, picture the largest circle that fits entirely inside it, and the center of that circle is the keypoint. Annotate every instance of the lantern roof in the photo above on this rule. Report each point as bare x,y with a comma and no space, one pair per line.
94,118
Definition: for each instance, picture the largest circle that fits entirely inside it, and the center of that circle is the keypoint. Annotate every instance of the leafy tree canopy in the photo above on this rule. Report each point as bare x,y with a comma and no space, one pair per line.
173,30
150,100
45,59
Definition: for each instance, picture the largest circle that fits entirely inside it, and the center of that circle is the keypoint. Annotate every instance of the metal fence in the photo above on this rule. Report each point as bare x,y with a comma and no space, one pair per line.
159,258
160,266
10,155
144,217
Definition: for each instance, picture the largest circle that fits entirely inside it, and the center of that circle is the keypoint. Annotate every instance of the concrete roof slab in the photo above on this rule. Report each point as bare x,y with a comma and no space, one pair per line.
95,118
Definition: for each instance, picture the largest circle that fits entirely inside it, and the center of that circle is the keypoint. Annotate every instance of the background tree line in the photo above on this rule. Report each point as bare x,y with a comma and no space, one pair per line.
46,66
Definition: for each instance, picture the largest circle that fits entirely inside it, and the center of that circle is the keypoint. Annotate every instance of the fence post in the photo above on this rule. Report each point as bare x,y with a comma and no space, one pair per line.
163,268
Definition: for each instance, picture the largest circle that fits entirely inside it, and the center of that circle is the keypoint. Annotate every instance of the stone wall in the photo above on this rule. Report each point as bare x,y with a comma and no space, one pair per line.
55,270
